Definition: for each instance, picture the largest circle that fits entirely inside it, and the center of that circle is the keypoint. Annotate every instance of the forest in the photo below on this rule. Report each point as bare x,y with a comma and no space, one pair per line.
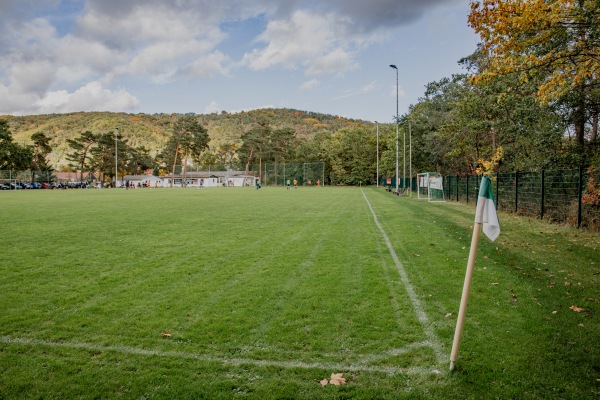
528,100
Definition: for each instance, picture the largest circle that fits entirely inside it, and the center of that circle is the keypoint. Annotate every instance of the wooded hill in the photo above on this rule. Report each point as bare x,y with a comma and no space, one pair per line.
152,131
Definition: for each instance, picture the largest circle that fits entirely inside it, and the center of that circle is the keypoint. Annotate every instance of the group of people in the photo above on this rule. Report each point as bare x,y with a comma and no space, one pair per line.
288,182
133,185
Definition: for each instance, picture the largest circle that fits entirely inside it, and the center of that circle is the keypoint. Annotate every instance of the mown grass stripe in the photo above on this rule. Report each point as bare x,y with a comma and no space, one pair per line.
418,307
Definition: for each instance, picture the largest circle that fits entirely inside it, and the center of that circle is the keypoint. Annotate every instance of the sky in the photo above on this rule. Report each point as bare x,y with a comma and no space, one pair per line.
205,56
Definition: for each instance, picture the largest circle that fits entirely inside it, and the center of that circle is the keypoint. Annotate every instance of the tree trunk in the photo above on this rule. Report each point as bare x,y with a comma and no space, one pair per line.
248,163
174,163
579,122
594,125
184,181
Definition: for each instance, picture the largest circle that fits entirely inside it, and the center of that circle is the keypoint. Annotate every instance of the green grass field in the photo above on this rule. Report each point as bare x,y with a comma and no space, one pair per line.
237,293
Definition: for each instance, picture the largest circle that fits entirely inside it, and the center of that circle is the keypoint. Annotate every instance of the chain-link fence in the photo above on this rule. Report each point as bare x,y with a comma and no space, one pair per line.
562,196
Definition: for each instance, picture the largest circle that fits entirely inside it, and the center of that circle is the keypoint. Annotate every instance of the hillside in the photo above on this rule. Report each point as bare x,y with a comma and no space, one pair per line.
152,130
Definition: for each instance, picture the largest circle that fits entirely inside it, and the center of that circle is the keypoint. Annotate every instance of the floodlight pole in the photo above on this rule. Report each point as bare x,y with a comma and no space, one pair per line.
404,159
410,155
116,155
377,126
396,68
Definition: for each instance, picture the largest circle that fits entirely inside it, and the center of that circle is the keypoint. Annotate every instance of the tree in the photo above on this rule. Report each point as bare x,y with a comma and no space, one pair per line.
81,150
255,143
554,41
103,155
281,146
188,140
40,149
352,156
12,155
137,160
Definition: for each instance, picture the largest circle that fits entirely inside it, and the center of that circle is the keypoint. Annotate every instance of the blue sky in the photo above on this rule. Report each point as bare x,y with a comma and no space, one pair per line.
202,56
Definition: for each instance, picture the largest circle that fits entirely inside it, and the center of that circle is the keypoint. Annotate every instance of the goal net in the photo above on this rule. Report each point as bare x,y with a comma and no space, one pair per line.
431,187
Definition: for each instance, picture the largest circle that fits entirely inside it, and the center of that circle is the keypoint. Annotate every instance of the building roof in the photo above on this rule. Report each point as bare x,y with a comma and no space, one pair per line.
141,178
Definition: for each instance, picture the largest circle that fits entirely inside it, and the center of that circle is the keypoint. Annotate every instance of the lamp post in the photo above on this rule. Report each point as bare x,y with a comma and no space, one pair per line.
396,68
377,125
116,152
410,156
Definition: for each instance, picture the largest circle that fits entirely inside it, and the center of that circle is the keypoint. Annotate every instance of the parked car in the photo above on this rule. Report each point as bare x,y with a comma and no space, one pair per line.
36,185
4,186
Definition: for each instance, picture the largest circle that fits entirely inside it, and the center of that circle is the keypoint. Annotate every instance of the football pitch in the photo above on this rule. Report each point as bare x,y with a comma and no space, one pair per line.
244,293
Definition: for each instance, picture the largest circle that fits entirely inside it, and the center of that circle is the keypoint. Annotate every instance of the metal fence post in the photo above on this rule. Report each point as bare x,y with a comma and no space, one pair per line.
516,191
579,195
457,188
543,194
497,191
467,191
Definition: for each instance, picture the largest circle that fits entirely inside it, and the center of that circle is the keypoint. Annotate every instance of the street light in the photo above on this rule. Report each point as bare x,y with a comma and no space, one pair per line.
116,163
377,125
396,68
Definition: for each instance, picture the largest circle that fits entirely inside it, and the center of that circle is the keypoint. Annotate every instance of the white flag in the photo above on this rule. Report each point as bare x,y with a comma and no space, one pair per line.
486,210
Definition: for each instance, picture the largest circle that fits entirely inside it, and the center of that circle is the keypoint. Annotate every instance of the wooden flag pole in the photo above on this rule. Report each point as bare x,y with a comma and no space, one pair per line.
465,294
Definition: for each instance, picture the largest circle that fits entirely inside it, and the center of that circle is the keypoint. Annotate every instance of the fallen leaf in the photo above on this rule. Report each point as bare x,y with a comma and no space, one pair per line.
166,334
554,312
323,382
449,314
337,380
576,309
494,283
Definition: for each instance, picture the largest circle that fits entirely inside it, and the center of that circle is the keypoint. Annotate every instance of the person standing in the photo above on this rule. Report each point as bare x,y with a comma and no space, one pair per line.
295,184
287,184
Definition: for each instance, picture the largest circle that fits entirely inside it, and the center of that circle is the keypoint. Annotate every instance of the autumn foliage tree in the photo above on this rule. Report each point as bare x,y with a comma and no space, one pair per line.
552,41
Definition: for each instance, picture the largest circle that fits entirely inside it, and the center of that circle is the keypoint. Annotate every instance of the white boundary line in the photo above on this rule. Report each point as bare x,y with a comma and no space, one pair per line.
432,338
224,360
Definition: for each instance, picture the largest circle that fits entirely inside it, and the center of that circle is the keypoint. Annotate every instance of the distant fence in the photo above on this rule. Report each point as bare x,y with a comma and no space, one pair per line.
27,176
305,173
561,196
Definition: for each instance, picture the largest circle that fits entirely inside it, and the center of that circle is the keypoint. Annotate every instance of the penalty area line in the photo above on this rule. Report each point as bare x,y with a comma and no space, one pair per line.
222,360
416,303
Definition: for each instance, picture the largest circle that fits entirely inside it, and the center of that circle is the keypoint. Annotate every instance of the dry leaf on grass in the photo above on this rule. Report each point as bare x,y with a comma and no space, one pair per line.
337,380
166,334
324,382
577,309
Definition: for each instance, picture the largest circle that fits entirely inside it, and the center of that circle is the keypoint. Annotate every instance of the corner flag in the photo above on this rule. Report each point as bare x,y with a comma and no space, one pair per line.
486,210
484,215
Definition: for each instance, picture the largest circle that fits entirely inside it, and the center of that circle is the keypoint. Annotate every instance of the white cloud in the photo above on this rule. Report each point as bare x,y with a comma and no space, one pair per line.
309,85
91,97
337,60
213,107
368,88
401,92
320,43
